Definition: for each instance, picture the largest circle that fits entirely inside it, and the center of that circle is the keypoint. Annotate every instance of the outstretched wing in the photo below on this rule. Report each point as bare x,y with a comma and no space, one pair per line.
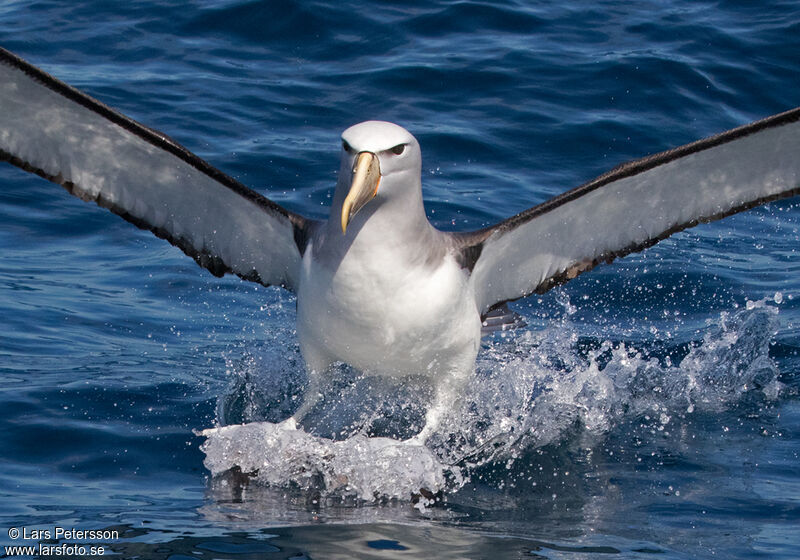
100,155
634,206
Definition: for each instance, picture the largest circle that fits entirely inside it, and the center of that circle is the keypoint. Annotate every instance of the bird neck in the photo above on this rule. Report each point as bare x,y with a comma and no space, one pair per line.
397,224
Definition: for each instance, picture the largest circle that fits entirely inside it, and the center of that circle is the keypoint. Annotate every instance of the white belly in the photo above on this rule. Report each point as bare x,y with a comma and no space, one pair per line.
386,318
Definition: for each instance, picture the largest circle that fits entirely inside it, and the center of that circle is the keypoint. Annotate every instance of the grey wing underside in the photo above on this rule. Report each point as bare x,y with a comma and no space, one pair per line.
632,207
100,155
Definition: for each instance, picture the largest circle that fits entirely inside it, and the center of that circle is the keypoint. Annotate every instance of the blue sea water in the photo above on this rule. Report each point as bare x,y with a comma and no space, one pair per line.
651,408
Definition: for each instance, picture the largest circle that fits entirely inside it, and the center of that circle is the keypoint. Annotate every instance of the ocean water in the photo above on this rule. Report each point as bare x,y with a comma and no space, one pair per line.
650,409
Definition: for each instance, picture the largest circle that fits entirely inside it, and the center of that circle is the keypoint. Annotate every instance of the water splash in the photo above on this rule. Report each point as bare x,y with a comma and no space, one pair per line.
533,391
368,468
530,390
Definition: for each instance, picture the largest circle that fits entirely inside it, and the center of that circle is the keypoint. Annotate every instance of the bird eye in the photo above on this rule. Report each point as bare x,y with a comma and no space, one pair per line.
397,150
346,147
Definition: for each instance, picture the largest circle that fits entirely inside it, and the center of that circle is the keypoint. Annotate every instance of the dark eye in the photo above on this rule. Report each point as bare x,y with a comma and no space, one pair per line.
346,147
397,150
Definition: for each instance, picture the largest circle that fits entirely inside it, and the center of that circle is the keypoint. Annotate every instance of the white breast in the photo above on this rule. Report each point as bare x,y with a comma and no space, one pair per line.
387,314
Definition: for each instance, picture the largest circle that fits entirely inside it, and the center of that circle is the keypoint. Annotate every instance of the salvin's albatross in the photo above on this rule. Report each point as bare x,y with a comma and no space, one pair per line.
377,285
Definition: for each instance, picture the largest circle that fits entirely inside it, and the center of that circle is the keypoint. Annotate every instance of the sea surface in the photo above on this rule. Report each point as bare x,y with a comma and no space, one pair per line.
650,409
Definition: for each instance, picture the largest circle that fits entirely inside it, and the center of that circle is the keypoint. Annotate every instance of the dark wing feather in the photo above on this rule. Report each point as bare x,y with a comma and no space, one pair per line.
97,154
632,207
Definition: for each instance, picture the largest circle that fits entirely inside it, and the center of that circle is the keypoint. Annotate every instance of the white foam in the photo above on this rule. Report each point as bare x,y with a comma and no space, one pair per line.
529,390
368,468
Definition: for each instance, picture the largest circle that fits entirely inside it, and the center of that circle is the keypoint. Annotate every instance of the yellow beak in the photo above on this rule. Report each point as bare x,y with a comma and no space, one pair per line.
366,177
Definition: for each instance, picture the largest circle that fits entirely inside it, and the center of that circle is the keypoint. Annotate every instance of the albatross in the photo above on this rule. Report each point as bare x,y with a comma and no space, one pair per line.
378,287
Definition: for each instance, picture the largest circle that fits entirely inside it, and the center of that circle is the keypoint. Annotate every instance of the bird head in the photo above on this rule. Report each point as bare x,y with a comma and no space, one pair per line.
379,159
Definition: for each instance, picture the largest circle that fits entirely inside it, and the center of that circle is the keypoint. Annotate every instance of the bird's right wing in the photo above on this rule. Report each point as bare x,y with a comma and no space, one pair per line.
632,207
100,155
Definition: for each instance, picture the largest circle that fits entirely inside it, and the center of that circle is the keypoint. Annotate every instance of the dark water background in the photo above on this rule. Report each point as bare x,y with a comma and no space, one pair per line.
114,347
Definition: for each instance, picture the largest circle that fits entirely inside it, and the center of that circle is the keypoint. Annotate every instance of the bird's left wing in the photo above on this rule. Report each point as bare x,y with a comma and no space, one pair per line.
100,155
632,207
